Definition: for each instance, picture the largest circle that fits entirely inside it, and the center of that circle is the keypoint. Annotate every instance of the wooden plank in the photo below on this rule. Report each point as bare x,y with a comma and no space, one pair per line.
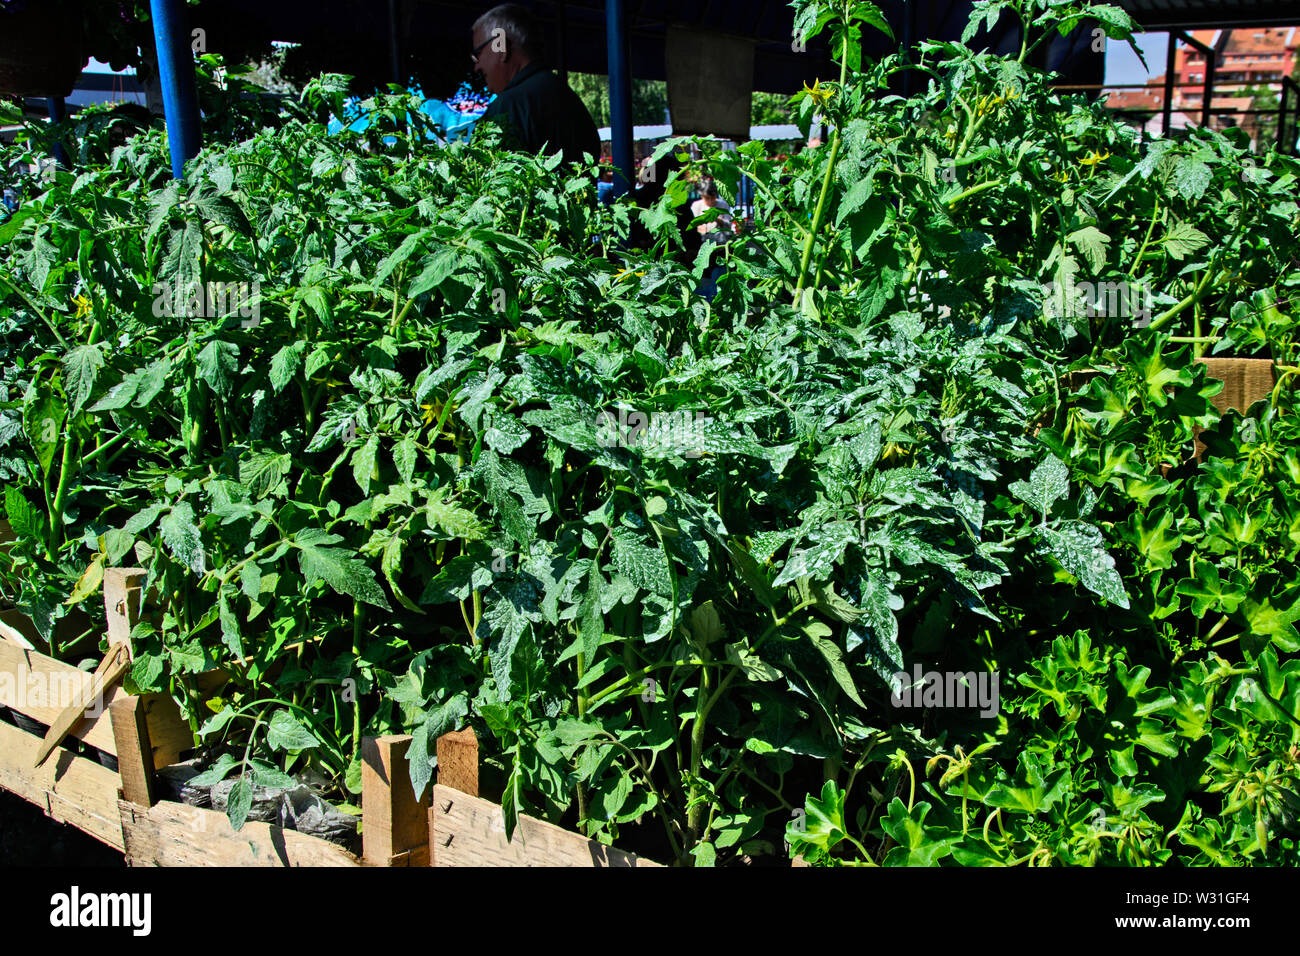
123,593
169,732
458,761
1245,382
106,675
17,628
134,754
174,834
394,825
40,687
69,788
471,831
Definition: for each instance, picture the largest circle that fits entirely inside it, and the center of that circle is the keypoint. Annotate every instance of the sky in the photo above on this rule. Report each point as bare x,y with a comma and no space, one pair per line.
1123,66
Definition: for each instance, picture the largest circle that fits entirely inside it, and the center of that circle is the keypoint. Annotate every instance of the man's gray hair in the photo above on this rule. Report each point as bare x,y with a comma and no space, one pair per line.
517,24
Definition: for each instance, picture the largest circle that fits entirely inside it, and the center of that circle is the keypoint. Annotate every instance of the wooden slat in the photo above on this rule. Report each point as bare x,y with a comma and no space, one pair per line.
458,761
169,733
174,834
471,831
109,672
122,593
168,730
53,679
1245,381
69,788
394,825
134,754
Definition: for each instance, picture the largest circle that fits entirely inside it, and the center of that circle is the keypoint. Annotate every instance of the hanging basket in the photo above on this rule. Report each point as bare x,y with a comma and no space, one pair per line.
40,47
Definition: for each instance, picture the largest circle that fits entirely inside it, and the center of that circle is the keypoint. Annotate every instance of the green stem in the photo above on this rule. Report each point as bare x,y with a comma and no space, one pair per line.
806,259
1193,296
974,191
60,497
358,617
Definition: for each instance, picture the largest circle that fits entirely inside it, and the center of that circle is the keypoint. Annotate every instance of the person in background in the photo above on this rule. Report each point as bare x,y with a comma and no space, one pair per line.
720,229
533,106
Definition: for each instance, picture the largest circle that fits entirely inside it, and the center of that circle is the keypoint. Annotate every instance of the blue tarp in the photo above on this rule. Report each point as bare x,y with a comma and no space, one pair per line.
455,123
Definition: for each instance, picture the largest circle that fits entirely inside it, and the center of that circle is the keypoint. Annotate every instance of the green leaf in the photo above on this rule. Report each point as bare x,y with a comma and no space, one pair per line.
80,367
284,732
265,775
1207,591
405,457
43,424
915,847
218,365
22,517
452,520
1091,242
1080,549
89,581
817,633
440,267
220,769
250,581
285,364
342,570
239,802
1047,483
1183,240
363,463
230,627
181,537
645,567
1277,624
261,473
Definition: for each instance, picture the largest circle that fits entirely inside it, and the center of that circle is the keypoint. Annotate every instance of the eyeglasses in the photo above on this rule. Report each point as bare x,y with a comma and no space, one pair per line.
475,52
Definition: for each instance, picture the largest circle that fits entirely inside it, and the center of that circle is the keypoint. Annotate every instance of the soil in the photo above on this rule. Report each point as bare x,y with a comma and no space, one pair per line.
29,838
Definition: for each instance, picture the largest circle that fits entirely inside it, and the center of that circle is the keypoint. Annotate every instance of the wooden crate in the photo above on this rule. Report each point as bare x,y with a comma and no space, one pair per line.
68,786
450,826
466,830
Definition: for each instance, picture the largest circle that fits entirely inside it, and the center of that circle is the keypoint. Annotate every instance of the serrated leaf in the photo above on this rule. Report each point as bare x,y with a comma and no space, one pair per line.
342,570
218,365
1091,242
1183,240
239,802
80,368
363,463
1047,483
284,732
181,537
1080,549
230,635
285,364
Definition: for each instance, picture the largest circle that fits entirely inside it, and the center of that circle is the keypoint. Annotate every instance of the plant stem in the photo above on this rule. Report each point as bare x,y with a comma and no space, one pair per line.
358,616
806,259
60,496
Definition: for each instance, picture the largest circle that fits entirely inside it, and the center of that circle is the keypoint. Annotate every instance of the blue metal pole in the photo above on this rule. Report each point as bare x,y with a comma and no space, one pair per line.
58,113
176,73
620,96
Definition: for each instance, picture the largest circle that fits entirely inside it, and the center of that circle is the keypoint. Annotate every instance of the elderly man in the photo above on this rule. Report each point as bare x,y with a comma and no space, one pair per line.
534,108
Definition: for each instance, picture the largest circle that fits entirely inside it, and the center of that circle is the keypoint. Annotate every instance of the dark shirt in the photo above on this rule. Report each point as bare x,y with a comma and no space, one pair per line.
538,109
